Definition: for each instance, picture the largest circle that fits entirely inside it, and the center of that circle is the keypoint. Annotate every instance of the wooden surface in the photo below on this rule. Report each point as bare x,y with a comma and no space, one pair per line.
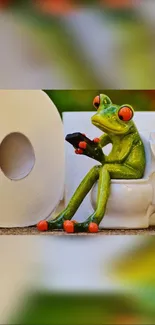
34,231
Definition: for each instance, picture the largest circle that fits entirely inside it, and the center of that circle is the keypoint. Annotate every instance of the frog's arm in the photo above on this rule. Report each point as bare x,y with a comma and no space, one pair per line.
104,140
119,157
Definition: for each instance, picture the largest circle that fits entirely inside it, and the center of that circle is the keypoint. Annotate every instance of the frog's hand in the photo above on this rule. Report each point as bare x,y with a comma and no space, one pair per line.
93,151
83,145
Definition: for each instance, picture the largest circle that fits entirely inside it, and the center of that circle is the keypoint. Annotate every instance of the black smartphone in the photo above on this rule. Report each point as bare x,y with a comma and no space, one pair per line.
75,138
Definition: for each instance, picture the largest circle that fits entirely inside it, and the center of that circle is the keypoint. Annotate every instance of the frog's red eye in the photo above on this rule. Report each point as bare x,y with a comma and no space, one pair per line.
125,113
96,102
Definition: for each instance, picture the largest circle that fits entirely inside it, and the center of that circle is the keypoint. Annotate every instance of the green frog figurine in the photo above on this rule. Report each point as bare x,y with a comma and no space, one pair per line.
125,161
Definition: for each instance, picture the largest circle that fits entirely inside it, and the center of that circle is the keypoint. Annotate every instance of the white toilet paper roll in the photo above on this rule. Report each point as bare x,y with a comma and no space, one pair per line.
31,157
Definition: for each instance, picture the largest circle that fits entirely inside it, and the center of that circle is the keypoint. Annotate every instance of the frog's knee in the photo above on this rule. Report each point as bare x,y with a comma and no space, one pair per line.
106,168
96,168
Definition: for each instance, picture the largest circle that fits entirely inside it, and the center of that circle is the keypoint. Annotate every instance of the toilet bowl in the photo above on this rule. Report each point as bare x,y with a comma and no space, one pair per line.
131,203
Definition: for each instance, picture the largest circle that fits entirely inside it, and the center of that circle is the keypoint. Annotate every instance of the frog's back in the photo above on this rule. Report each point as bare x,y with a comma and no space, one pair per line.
137,159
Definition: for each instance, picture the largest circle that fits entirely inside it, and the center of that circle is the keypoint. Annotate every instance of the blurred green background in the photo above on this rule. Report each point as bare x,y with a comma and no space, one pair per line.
83,309
82,100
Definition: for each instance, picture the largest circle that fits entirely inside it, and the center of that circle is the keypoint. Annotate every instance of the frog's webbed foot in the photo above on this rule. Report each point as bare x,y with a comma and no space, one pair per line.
90,225
55,224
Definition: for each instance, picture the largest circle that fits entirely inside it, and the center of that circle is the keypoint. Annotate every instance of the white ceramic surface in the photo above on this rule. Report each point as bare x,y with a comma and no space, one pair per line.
132,202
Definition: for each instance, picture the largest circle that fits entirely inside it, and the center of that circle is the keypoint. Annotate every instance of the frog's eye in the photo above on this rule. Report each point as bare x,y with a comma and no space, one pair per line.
125,113
96,102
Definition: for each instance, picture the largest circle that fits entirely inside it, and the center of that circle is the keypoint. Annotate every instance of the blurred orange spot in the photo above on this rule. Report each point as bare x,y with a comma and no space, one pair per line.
4,3
127,320
54,7
152,105
117,3
150,93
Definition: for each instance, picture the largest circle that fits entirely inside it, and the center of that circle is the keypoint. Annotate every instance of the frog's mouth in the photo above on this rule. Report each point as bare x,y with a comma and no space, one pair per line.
105,128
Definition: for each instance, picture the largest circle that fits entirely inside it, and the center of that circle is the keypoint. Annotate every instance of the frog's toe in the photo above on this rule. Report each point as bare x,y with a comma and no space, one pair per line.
96,140
42,225
93,227
78,151
83,145
68,226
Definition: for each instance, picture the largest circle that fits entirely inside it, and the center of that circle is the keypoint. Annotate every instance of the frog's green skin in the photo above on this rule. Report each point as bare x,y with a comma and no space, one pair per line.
125,161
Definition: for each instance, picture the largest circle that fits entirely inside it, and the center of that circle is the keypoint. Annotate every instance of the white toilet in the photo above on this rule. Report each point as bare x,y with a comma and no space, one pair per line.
132,202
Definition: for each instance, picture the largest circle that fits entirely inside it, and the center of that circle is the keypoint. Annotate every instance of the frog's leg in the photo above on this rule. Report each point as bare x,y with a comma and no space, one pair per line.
74,203
107,172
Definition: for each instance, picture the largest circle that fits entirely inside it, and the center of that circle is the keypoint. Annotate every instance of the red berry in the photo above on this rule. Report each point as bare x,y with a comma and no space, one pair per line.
42,225
74,221
96,140
82,145
79,151
68,226
93,227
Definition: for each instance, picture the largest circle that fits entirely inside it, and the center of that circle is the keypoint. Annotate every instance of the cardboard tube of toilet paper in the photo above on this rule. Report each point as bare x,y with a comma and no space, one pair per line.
31,157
